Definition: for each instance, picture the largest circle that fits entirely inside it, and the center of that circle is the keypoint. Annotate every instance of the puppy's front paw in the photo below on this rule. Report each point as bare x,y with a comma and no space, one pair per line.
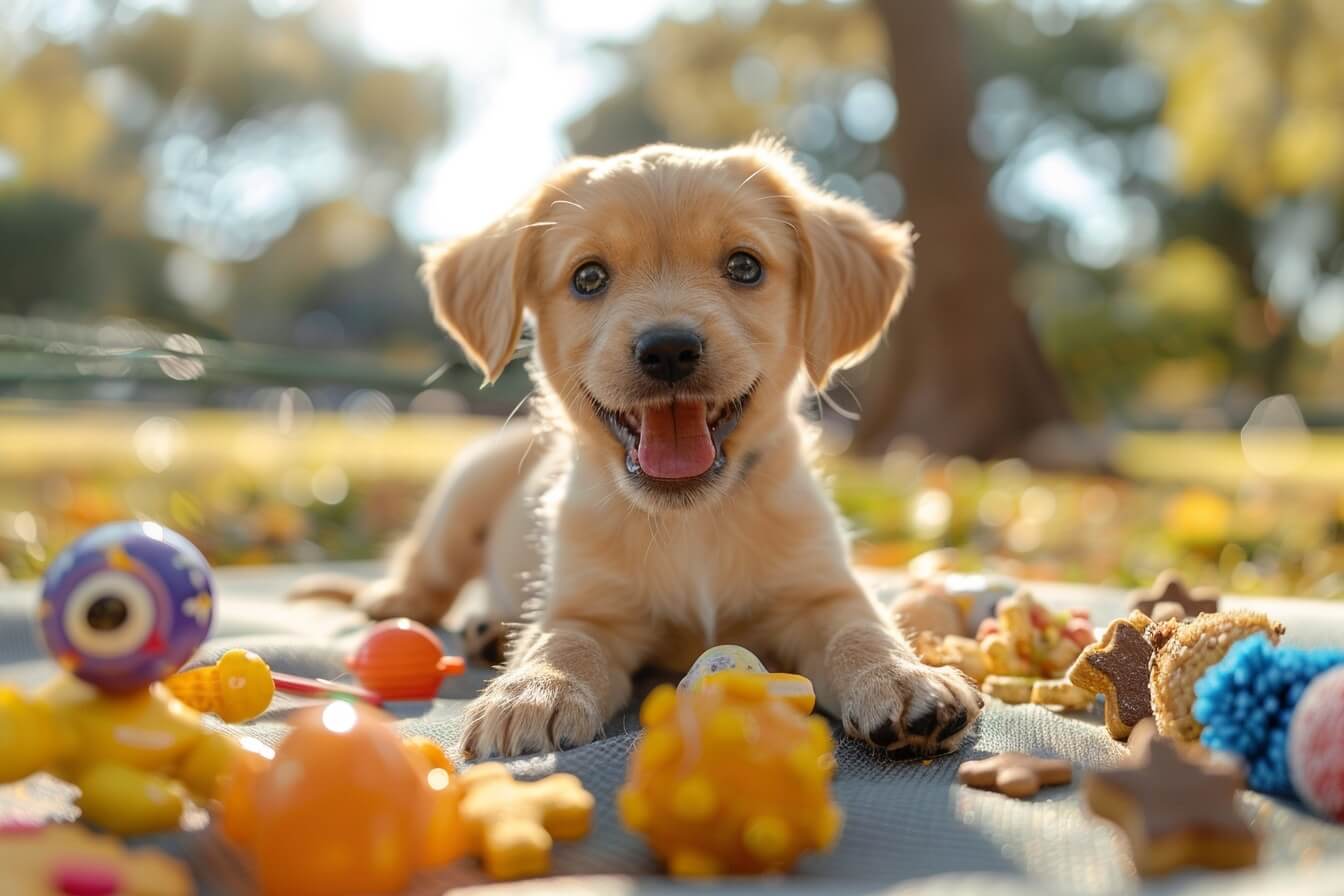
530,711
391,598
910,709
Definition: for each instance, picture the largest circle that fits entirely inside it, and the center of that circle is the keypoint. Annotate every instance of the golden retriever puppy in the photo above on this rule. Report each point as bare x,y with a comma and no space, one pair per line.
682,301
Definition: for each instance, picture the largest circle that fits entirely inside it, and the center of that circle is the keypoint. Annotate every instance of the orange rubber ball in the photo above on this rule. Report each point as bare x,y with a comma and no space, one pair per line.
344,807
400,659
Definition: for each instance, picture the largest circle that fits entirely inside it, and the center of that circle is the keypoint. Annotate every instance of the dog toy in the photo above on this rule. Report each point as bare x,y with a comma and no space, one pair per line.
342,806
1173,810
1015,774
1183,651
236,688
121,608
1316,746
323,689
400,659
794,688
729,780
1117,668
1246,702
1028,639
69,860
512,824
1169,598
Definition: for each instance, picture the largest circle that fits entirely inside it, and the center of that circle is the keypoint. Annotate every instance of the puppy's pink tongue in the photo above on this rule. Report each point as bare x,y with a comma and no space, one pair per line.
674,441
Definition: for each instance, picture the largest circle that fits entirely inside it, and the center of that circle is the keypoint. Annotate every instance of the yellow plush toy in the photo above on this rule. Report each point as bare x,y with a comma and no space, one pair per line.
729,779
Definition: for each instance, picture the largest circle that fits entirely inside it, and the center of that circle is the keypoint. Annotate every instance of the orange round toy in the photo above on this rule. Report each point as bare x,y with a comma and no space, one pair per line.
400,659
344,806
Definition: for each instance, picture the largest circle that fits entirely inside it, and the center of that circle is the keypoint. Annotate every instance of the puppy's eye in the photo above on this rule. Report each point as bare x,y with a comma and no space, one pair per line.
743,268
590,279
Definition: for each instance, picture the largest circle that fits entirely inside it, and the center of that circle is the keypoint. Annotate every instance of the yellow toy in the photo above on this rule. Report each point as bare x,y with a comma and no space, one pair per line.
136,759
236,688
512,824
730,780
66,859
121,608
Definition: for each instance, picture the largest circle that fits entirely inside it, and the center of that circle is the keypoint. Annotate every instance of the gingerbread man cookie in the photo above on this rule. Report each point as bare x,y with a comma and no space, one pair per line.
512,824
1117,668
1015,774
69,860
1169,598
1174,811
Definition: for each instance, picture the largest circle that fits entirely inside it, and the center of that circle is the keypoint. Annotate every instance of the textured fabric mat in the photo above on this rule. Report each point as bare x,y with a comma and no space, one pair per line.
909,827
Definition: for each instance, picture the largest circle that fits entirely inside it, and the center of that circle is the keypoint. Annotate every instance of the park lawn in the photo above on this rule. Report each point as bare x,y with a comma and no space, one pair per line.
254,488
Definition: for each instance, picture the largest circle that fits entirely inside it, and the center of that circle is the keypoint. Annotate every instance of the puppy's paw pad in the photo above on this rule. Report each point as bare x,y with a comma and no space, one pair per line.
911,710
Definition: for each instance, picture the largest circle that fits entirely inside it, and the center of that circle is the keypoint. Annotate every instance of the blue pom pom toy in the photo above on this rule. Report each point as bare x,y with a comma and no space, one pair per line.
1246,703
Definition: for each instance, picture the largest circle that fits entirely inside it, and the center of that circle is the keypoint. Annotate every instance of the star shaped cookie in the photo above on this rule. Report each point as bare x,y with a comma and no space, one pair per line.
1169,598
1175,811
1117,668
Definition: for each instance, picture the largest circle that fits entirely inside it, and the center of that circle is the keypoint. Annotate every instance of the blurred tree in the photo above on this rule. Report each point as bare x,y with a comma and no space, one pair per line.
961,370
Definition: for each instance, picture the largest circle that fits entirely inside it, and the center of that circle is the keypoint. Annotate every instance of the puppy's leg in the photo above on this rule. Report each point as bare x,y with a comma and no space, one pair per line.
567,675
866,675
446,548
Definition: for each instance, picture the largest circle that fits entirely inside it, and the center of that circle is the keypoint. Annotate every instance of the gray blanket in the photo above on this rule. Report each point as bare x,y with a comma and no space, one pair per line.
910,828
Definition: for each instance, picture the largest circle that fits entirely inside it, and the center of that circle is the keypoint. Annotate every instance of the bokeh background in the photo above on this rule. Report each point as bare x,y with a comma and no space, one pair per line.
1125,350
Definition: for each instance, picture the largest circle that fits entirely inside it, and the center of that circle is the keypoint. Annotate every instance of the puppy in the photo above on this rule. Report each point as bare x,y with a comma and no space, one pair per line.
682,302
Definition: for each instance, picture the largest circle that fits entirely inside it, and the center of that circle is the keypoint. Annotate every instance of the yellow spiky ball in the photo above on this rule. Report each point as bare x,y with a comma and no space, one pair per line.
730,780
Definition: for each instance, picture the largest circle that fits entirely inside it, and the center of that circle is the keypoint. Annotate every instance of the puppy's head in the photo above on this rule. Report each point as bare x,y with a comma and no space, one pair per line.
677,294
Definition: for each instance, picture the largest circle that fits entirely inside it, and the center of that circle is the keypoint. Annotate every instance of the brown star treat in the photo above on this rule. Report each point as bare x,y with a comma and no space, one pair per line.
1169,598
1015,774
1174,811
1117,668
1183,650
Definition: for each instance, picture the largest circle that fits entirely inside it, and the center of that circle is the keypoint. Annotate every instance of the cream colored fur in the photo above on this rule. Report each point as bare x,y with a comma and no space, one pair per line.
626,575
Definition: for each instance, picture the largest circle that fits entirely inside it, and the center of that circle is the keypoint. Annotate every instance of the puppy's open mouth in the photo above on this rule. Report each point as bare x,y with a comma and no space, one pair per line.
675,441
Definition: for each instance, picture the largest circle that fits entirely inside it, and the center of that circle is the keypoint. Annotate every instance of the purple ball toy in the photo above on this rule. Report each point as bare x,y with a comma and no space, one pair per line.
126,605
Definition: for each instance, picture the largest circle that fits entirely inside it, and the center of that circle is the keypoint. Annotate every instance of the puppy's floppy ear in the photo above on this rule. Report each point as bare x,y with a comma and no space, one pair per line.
475,293
856,270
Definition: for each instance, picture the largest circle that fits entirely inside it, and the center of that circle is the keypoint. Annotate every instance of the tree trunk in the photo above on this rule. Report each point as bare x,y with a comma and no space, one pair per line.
961,369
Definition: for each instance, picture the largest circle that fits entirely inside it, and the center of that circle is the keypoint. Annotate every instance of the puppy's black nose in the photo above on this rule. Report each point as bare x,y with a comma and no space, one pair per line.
668,355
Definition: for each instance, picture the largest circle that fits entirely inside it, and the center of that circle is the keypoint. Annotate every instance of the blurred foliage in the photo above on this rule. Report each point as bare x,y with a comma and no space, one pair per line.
284,484
1169,172
205,168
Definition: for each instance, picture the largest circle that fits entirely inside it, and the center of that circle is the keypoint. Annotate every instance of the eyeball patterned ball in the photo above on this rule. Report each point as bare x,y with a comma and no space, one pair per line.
126,605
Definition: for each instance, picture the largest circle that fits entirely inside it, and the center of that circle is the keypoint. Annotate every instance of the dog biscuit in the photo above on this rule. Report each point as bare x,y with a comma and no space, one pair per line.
1183,651
1009,688
1169,598
1059,692
1015,774
1174,811
1117,668
512,824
